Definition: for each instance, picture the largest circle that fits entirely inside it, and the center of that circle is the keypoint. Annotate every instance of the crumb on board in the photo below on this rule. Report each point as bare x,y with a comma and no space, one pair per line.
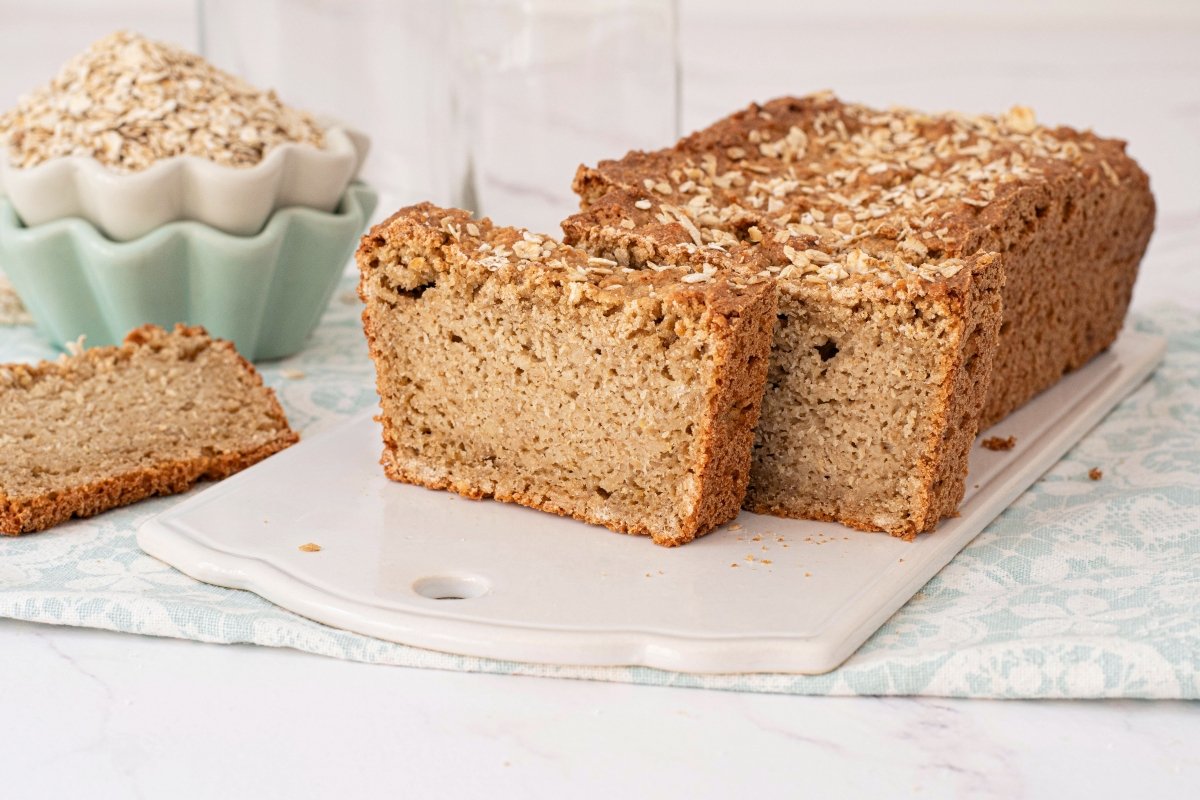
997,443
292,374
756,538
767,561
808,574
311,547
735,527
735,564
1095,473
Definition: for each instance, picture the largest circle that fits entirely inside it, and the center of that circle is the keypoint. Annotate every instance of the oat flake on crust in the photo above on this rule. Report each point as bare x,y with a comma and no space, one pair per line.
844,189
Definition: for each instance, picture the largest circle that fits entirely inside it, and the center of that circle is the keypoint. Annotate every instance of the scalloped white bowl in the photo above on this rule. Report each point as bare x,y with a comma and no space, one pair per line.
236,200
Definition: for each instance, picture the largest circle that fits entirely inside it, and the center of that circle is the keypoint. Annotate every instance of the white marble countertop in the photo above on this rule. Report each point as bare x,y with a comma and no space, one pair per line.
94,714
91,714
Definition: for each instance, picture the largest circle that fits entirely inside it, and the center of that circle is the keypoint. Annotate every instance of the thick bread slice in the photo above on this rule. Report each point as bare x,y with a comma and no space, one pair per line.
512,367
878,367
115,425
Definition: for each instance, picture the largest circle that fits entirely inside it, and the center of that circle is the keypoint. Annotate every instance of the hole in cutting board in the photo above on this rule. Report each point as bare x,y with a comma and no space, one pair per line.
451,587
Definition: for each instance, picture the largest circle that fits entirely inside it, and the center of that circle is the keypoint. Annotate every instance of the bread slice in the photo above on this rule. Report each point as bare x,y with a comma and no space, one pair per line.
114,425
512,367
1069,211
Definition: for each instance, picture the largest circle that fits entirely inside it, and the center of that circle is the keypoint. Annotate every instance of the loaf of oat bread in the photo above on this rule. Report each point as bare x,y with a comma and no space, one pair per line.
510,366
891,235
114,425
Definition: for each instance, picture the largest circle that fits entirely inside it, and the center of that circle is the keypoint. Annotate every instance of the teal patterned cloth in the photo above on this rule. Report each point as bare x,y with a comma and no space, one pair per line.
1081,589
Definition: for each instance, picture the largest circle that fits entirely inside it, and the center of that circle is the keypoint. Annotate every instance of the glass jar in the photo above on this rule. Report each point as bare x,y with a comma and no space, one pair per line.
542,86
381,67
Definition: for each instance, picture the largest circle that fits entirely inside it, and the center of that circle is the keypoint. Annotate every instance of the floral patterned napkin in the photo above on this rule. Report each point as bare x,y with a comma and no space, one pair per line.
1083,588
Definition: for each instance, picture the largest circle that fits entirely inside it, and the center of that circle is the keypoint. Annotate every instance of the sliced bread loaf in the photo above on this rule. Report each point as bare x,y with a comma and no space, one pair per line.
911,250
513,367
114,425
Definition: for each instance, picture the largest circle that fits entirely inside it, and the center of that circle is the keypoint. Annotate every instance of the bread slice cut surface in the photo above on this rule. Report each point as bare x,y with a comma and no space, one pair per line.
512,367
114,425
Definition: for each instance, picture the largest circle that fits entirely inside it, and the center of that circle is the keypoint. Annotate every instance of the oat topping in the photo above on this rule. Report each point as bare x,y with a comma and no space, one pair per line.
129,102
499,247
846,189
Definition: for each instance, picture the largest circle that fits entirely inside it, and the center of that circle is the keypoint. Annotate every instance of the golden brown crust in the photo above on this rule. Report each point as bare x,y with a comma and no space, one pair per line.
27,514
964,392
489,252
1072,247
733,405
31,514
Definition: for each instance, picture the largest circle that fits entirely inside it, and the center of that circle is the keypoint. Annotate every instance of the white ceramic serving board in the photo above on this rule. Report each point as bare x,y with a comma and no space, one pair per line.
523,585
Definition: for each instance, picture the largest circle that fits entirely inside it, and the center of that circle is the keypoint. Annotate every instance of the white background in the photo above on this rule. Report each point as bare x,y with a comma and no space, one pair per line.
91,714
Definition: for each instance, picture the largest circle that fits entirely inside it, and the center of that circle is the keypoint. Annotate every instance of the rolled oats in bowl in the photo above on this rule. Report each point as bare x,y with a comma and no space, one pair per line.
132,135
129,102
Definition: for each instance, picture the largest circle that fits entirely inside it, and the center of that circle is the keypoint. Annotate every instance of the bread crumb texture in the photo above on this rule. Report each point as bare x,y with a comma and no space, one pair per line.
114,425
514,367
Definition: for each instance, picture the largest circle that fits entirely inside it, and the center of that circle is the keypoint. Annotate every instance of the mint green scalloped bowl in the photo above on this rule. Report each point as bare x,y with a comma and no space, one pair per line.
265,292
